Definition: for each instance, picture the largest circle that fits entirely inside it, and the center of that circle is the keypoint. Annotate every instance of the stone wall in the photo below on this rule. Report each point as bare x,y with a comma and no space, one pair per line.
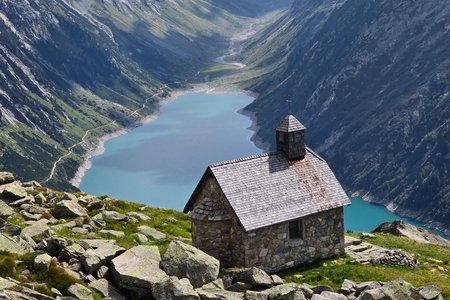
271,249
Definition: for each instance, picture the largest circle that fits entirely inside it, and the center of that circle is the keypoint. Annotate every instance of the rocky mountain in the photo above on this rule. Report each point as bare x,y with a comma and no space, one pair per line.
59,245
371,81
73,70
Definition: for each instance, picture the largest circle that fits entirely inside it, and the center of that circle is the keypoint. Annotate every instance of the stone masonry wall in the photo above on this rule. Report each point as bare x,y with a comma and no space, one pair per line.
271,249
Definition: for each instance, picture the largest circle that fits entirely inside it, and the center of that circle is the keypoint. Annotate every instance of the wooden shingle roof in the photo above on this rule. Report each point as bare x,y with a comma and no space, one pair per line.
289,124
268,189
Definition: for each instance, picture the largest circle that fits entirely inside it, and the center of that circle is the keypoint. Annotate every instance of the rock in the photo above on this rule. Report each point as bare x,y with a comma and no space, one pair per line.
56,244
42,262
71,251
30,217
5,210
70,197
185,261
430,292
102,272
94,203
396,258
68,209
38,231
107,289
79,291
92,259
256,295
215,294
392,290
157,235
239,287
112,233
174,288
137,270
421,235
140,238
6,177
216,284
56,292
368,285
40,199
115,216
348,287
322,288
254,276
78,230
318,297
139,216
6,284
9,229
306,290
14,191
332,296
27,200
99,223
276,279
282,291
366,235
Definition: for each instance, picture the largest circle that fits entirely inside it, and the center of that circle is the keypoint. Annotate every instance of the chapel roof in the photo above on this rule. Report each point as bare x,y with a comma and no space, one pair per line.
289,124
268,189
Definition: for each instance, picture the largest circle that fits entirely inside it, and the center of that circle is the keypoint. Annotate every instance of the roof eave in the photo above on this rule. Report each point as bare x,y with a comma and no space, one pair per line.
191,201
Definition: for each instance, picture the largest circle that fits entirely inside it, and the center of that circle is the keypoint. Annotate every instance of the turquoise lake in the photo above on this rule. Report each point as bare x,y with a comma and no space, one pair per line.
160,163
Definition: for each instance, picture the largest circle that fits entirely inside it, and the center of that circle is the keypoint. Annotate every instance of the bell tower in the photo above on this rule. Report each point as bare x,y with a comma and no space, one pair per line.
290,135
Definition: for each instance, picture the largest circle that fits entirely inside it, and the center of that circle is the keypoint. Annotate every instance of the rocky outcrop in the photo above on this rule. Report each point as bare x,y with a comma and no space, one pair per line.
137,270
185,261
420,235
69,209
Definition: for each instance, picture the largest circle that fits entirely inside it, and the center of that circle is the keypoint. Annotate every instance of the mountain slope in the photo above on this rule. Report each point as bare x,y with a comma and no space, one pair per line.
371,81
74,70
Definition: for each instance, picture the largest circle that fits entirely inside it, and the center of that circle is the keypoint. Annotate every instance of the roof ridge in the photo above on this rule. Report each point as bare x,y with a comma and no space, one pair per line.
315,154
227,162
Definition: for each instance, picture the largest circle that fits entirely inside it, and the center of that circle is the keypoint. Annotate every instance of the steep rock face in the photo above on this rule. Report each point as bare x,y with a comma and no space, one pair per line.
370,80
75,65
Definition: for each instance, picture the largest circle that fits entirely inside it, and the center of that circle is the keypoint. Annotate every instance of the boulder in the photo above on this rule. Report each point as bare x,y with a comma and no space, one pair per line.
38,231
185,261
430,292
215,294
368,285
157,235
254,276
5,210
347,287
140,238
283,291
139,216
42,262
72,251
392,290
318,297
256,295
137,270
102,272
115,216
112,233
56,244
14,191
30,217
239,287
107,289
276,279
95,243
14,245
70,197
306,290
6,177
174,288
68,209
9,229
332,296
79,291
93,203
92,259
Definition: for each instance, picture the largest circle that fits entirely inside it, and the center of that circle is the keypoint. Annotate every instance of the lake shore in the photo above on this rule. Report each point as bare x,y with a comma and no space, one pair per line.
99,147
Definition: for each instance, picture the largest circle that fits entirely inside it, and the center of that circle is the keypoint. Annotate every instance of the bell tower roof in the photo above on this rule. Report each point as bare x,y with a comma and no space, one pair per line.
290,124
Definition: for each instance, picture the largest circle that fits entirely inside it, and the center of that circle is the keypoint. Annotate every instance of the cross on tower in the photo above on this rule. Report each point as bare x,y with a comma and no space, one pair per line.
289,101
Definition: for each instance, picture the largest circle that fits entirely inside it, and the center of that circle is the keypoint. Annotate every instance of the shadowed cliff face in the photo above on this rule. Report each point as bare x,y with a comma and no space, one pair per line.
69,66
370,80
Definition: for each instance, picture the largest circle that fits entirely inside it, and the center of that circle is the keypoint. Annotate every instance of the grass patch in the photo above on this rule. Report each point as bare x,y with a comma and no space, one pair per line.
8,266
55,277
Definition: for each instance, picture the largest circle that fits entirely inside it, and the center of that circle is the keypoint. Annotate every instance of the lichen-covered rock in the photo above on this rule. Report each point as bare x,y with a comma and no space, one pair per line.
277,280
68,209
14,191
137,270
347,287
141,216
6,177
215,294
107,289
254,276
174,288
332,296
115,216
430,292
42,262
14,245
5,210
392,290
157,235
185,261
283,291
256,295
92,259
112,233
38,231
9,229
79,291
